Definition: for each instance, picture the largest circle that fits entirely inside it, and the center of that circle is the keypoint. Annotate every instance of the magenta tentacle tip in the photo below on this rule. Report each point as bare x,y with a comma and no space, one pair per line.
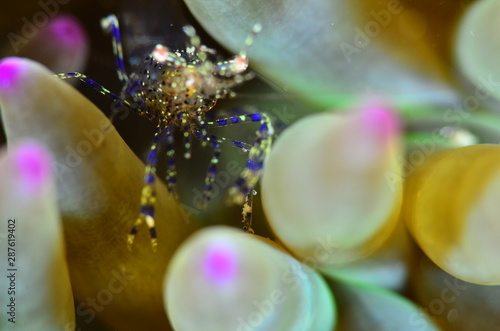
33,163
381,121
10,69
67,31
220,263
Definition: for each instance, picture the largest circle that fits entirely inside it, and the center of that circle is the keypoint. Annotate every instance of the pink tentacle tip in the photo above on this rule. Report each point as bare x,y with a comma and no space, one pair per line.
33,164
381,121
220,263
10,70
67,31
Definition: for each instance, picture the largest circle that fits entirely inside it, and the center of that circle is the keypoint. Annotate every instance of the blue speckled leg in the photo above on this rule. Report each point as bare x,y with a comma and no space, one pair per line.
148,194
258,153
110,25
